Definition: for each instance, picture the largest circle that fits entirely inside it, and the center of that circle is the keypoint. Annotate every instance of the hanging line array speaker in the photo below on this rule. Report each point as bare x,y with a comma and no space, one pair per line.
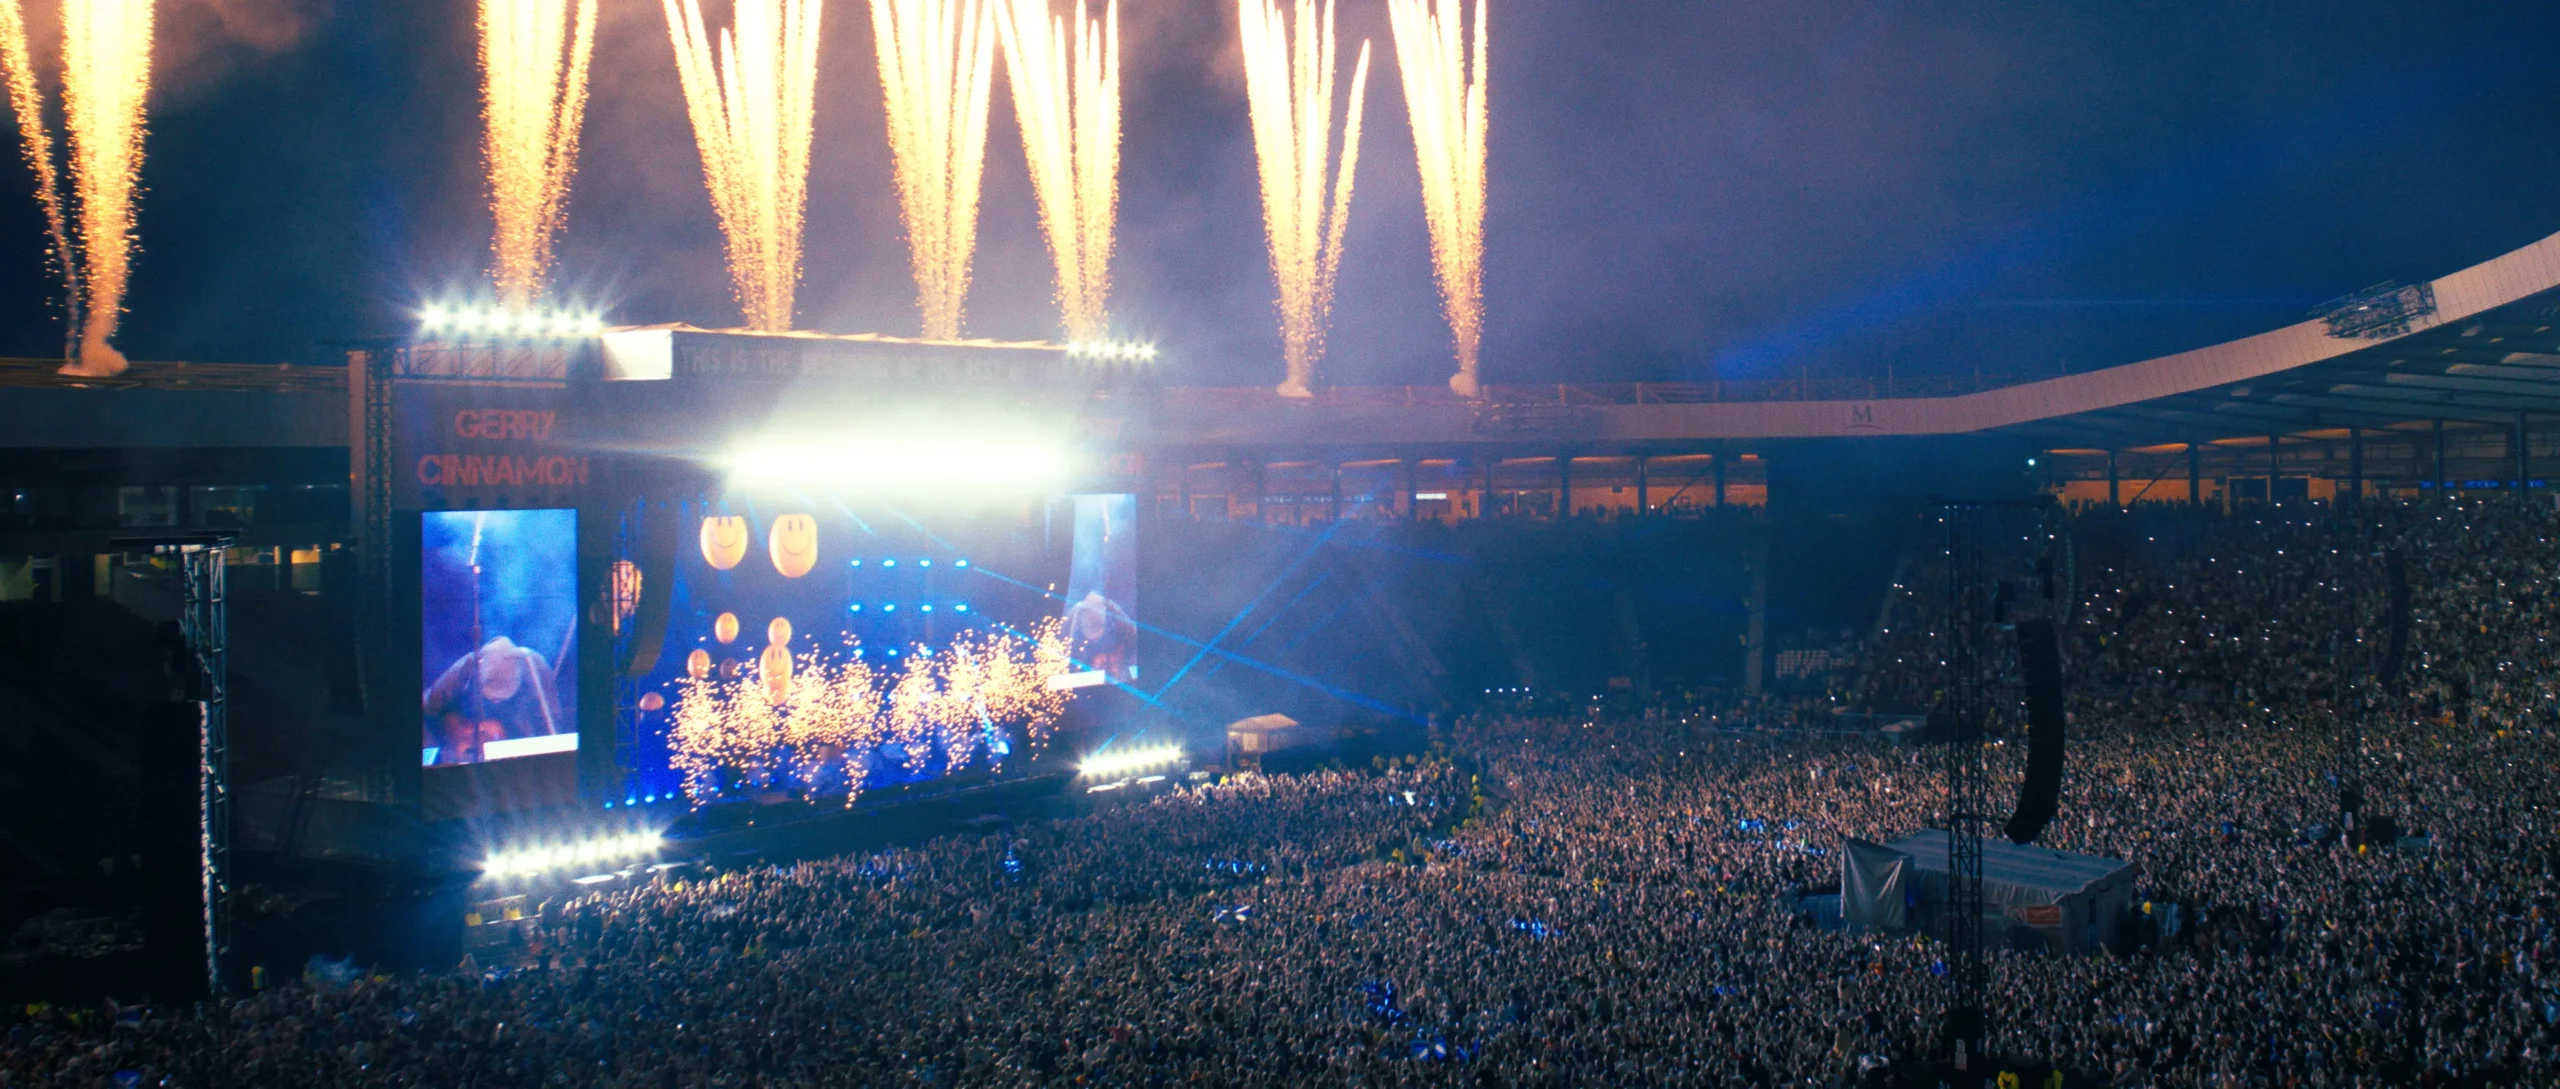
2041,661
2395,573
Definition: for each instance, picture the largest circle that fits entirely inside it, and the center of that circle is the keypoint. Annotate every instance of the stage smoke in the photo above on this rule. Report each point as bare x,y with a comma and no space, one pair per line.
936,60
1066,94
1444,94
106,77
752,118
533,71
1289,87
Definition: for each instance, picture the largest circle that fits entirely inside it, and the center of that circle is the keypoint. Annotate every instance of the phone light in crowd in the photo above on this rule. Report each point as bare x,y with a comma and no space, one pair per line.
542,858
1111,764
936,463
1112,351
439,320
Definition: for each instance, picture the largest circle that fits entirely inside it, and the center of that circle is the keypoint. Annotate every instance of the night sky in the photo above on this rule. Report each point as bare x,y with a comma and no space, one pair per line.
1680,190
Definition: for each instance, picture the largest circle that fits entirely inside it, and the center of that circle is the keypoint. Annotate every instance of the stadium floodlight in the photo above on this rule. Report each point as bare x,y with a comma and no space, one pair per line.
915,463
1114,763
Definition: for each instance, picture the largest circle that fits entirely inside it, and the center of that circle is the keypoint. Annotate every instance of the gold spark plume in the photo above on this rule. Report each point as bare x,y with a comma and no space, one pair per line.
1444,92
37,144
106,79
936,57
1066,93
1289,87
752,118
533,71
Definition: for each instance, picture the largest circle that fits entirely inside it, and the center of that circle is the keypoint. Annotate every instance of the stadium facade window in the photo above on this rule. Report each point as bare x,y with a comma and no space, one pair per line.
224,506
147,505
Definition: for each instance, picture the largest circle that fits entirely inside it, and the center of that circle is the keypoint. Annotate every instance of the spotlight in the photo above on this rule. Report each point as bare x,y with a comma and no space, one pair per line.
592,323
433,318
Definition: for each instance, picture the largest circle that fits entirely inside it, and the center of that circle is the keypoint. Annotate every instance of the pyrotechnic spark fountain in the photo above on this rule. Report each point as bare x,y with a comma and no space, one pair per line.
752,115
1289,86
1066,92
533,69
37,144
936,57
1444,92
106,77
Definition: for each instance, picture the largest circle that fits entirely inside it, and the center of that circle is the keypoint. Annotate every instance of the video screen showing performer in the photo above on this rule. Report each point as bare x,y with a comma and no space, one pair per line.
1102,586
499,622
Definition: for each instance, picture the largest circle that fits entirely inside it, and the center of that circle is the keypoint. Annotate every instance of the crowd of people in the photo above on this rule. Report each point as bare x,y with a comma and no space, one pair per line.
1569,899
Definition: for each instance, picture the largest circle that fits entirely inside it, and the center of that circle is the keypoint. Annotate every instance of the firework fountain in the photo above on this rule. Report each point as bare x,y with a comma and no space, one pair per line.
533,69
1066,93
1444,92
936,59
752,113
106,77
1289,86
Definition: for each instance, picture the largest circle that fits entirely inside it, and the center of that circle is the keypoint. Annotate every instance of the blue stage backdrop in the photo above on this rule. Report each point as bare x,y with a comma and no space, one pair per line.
499,619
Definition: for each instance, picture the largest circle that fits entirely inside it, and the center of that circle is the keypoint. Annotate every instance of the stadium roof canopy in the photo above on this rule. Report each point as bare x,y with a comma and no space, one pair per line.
2479,345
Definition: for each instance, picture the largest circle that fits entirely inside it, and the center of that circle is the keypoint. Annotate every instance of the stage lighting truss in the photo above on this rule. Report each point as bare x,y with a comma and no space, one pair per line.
1111,351
592,851
441,322
1113,764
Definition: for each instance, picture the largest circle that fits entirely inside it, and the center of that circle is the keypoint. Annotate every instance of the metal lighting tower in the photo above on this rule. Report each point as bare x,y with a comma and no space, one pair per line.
204,625
1964,700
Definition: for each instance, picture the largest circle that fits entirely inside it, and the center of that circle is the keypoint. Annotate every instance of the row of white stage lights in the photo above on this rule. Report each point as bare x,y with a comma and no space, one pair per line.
1110,764
1117,351
492,321
543,858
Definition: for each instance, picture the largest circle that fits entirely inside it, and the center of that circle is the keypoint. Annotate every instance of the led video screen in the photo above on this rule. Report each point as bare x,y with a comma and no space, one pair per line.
498,624
812,651
1102,588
